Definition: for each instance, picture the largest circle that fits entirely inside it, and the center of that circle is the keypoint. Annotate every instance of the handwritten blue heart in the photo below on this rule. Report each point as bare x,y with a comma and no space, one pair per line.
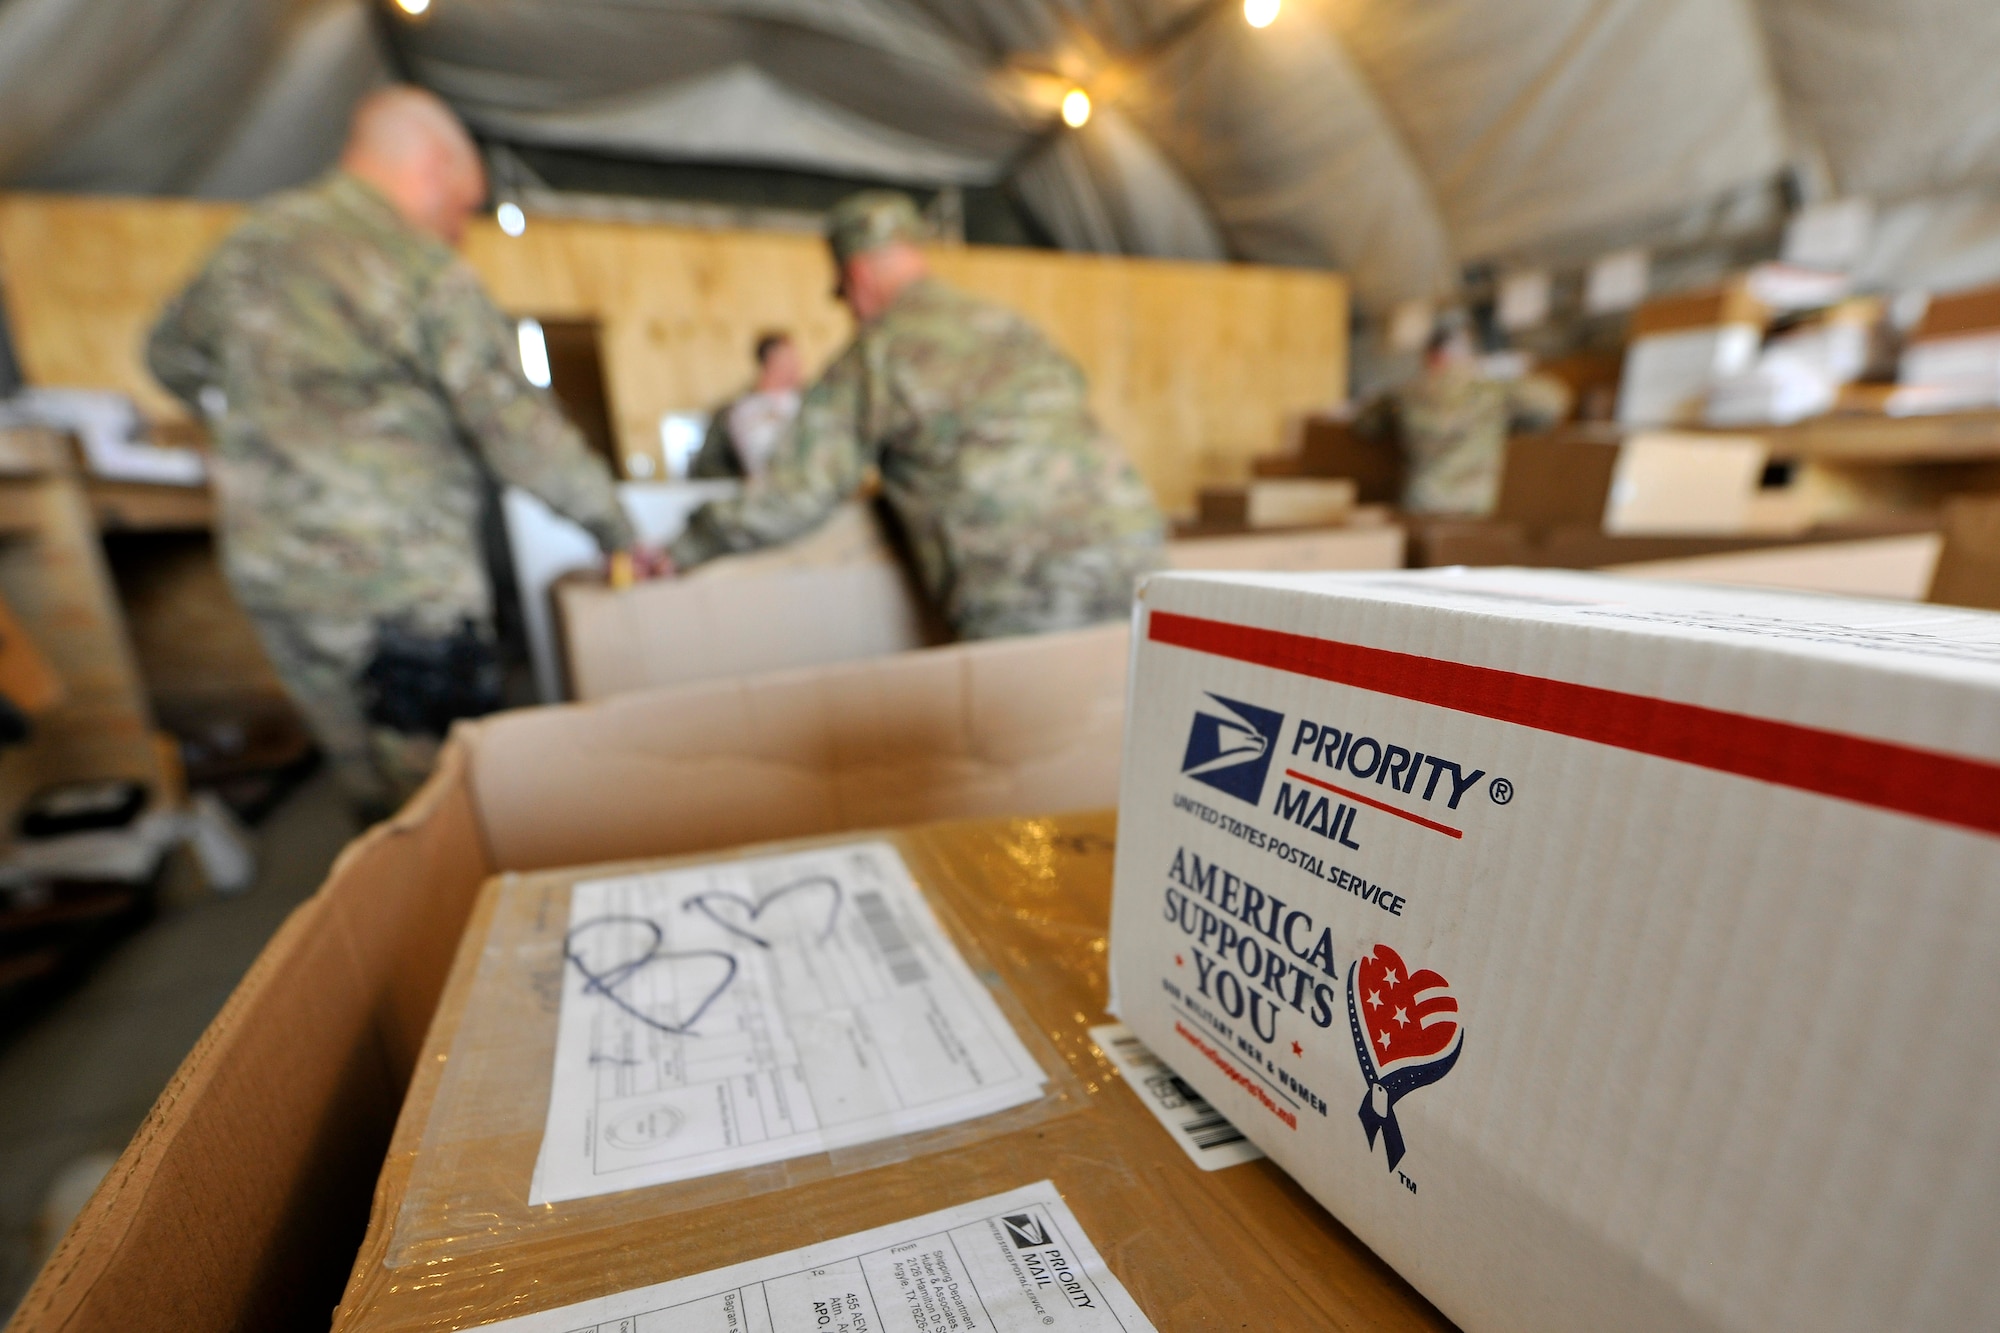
700,902
607,982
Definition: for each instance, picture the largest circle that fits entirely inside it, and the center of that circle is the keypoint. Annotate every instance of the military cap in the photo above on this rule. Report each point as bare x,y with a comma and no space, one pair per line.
871,220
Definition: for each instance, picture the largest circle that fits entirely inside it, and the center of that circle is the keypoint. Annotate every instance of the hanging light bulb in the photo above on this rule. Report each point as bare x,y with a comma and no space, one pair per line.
1076,108
1260,13
511,219
413,7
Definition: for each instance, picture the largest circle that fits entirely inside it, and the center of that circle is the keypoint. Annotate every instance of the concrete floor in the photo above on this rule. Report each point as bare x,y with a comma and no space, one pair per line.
79,1080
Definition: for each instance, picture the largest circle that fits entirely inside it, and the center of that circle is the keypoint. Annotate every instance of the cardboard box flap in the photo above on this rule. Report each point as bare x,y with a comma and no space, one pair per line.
975,729
1707,307
1958,314
239,1200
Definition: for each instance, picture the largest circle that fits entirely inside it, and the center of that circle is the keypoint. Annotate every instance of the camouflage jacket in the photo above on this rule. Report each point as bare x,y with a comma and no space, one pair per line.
356,375
1019,513
1454,426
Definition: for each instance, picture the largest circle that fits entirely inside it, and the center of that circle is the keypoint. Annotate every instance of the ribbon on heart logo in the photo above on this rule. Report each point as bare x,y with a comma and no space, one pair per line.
705,903
1406,1036
606,980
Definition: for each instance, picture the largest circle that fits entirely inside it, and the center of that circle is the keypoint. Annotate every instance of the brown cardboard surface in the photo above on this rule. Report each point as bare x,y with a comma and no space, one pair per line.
1232,1248
675,630
1706,307
1683,483
1370,542
1954,314
240,1202
236,1204
27,679
1556,478
1332,448
1968,569
1278,502
992,728
1900,568
1457,541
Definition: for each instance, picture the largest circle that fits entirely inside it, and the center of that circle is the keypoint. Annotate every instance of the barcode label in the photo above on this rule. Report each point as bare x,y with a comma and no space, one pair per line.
1211,1131
1203,1132
1203,1124
904,965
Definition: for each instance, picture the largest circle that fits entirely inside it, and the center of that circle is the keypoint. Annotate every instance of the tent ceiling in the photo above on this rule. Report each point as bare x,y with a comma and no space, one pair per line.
1602,111
1396,139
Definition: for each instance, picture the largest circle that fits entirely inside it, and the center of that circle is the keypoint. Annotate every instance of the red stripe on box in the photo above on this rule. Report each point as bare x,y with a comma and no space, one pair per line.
1942,787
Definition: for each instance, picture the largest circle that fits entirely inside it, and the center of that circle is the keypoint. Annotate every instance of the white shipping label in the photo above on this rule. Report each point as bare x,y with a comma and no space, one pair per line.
1013,1263
744,1012
1203,1132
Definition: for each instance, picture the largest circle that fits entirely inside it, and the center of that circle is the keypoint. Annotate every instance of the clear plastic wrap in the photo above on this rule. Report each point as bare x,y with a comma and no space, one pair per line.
469,1187
453,1243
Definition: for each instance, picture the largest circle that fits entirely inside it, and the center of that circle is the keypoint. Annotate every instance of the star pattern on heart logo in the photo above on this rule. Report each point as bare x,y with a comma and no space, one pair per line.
1406,1016
643,951
733,904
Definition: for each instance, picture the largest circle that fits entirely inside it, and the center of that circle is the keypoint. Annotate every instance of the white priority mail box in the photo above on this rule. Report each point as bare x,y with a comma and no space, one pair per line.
1605,954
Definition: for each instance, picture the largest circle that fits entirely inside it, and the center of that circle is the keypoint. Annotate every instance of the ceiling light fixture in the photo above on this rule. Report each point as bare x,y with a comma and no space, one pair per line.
1260,13
511,219
413,7
1076,108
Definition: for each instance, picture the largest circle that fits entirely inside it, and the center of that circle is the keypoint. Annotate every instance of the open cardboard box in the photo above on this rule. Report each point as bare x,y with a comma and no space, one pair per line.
243,1198
453,1243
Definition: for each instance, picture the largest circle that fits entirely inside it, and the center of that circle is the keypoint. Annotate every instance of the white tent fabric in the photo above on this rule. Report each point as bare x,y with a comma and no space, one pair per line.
1902,98
144,96
1396,140
1329,181
1601,111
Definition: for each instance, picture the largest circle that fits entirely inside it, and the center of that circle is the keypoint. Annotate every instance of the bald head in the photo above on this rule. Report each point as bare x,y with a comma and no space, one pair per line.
408,145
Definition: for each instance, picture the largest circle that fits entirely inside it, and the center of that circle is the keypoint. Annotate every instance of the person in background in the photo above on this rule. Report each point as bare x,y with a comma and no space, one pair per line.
1020,514
356,379
744,433
1453,422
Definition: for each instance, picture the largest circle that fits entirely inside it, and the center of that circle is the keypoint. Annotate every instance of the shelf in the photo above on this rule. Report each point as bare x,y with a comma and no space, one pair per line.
1958,437
135,506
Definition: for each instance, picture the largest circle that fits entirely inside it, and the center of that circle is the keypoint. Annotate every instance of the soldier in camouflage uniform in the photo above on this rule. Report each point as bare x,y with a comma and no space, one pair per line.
1454,423
357,378
1020,514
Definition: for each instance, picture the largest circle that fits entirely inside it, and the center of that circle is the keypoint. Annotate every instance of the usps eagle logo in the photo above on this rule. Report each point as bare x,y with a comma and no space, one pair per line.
1231,749
1406,1036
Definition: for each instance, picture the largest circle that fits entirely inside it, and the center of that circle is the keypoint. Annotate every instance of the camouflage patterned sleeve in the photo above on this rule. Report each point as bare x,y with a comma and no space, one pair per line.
820,463
517,428
180,352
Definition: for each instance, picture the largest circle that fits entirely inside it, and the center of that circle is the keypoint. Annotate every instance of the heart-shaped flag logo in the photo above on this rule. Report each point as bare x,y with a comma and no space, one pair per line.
795,910
1409,1016
613,951
1406,1034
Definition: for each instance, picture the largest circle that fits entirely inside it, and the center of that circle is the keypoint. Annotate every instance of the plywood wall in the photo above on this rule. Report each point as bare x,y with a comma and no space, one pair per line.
1195,367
